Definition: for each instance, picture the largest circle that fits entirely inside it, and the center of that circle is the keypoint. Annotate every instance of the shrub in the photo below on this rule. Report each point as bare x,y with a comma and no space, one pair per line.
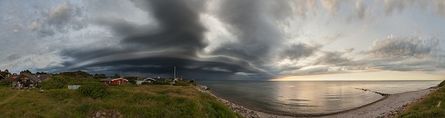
93,90
5,83
182,83
60,94
55,83
161,82
442,83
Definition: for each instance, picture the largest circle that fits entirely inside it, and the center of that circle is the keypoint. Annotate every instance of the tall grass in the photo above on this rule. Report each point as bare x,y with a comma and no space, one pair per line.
428,107
156,101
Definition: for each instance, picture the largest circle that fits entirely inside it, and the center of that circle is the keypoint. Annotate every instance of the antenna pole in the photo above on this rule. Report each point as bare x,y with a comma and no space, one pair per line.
174,72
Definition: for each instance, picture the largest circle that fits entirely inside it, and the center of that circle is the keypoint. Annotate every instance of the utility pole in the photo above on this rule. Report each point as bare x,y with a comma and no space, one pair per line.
174,72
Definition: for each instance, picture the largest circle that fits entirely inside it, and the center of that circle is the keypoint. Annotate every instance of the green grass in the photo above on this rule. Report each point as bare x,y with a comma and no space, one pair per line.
157,101
442,83
427,108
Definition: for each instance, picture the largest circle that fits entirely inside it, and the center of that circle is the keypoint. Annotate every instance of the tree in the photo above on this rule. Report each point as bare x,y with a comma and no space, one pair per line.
4,74
116,76
55,83
26,71
100,76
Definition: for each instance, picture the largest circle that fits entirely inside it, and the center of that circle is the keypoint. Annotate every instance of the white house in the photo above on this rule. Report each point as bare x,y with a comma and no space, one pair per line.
146,80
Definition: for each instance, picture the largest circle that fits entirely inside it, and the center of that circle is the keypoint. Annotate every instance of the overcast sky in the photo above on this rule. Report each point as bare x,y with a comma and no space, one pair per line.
224,38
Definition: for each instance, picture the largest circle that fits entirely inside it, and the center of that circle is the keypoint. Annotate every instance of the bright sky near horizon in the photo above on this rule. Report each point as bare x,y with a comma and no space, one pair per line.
227,38
372,75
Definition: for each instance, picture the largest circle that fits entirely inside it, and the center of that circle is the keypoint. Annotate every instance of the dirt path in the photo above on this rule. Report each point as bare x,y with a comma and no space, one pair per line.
9,98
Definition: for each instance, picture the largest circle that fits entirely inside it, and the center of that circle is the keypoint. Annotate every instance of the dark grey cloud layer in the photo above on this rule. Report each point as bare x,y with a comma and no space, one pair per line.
254,21
176,42
265,33
180,26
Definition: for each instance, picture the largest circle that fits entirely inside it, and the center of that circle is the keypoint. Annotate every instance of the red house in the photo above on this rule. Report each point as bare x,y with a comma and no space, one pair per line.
117,81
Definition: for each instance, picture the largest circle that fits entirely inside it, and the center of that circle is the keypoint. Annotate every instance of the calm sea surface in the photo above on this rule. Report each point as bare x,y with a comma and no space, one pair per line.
308,97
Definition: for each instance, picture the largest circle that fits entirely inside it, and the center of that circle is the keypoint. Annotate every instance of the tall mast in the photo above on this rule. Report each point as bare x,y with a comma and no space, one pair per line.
174,72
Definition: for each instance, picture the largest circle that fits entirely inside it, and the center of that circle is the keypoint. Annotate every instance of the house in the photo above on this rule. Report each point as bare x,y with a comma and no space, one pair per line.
24,80
146,80
116,81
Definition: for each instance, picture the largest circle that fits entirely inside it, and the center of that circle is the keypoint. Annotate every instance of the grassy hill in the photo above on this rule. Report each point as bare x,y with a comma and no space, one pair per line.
158,101
428,107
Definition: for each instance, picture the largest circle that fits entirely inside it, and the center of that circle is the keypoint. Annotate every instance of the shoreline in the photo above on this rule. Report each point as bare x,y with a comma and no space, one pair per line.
389,105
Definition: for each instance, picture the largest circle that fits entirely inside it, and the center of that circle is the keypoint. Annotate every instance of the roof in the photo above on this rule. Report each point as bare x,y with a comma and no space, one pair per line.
149,79
29,76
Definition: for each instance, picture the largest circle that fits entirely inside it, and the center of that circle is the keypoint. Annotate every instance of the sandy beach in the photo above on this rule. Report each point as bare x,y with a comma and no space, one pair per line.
386,107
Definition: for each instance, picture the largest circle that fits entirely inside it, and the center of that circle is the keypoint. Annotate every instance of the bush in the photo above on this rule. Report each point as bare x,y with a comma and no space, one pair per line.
55,83
161,82
5,83
60,94
182,83
93,90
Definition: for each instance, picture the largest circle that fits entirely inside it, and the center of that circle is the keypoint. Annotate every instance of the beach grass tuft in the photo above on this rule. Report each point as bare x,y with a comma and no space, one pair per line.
430,107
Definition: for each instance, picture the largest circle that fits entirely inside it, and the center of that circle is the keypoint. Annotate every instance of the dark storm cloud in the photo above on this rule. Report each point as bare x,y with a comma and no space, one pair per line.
163,65
121,27
216,37
179,37
179,30
179,22
254,21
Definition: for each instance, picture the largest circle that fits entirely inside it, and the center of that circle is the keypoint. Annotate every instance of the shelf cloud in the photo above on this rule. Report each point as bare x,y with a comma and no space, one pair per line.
222,39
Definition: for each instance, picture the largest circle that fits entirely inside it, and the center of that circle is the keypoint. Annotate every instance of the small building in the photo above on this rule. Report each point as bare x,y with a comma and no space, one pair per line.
73,87
116,81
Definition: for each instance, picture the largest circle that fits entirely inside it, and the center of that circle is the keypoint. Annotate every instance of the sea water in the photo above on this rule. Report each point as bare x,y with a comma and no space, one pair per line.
309,97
